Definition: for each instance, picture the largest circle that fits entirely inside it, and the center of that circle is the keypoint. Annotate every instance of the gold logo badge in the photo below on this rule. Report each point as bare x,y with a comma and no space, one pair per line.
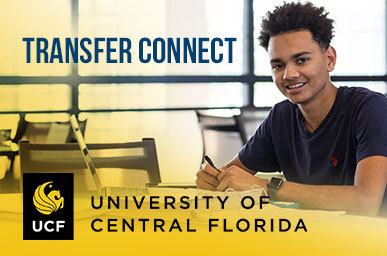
47,204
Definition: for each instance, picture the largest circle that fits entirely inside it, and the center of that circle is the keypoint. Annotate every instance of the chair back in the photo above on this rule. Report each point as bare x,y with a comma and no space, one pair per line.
221,127
222,124
46,132
132,164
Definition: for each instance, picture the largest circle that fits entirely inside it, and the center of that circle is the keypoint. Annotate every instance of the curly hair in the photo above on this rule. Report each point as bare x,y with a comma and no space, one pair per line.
294,17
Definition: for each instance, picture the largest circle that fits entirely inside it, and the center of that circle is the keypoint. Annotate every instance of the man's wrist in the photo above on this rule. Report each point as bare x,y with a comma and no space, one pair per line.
273,186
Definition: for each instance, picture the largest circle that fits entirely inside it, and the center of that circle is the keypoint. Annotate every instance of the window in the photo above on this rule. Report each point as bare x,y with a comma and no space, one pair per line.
142,96
48,19
35,97
360,38
169,18
360,43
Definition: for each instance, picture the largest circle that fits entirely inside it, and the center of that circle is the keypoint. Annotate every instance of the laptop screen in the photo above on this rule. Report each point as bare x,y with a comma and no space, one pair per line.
85,153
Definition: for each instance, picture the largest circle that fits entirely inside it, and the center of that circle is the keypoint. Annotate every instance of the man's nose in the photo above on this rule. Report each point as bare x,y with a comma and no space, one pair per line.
290,72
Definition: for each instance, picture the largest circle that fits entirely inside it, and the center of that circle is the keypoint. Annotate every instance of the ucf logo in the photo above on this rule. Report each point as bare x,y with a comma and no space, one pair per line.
45,216
47,204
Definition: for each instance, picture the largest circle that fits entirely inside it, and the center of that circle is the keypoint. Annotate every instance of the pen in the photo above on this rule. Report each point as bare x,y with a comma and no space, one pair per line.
208,159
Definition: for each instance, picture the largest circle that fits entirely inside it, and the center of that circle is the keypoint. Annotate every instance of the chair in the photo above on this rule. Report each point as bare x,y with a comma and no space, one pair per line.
233,124
46,132
36,132
252,119
132,164
21,127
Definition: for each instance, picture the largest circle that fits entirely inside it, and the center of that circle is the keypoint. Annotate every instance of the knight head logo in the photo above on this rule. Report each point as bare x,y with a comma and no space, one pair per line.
47,203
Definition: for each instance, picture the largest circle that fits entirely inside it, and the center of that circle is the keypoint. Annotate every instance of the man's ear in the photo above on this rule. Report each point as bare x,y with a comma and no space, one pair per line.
330,54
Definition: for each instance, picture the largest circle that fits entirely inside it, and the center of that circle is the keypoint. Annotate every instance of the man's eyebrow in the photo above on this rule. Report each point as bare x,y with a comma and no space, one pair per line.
275,60
295,56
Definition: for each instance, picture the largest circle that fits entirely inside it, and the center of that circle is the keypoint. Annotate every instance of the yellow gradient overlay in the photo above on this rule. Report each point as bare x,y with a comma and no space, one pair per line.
327,234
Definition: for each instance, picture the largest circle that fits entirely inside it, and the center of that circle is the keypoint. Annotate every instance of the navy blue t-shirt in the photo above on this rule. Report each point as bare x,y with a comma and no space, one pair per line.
355,128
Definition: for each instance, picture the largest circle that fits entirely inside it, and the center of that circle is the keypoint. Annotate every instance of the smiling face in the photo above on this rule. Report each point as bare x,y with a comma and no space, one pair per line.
300,67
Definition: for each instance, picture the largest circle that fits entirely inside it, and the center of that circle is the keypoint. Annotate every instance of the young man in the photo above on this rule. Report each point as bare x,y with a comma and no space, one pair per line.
330,143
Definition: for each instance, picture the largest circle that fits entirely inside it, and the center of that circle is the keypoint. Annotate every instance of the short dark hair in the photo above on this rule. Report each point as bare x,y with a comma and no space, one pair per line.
294,17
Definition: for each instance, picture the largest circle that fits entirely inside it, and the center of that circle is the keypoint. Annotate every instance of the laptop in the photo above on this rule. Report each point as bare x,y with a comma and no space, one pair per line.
103,191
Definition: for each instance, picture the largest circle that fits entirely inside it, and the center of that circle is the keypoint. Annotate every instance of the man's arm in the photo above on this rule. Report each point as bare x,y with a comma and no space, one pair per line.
363,198
237,162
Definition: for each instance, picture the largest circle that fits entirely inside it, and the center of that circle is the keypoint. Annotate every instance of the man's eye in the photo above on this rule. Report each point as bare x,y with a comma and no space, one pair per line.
302,60
277,66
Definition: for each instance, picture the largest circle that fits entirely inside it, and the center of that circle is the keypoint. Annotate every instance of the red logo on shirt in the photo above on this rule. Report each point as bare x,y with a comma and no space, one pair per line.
334,161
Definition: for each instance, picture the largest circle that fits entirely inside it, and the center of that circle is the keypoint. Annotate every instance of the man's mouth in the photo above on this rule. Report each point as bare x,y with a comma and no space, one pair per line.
295,87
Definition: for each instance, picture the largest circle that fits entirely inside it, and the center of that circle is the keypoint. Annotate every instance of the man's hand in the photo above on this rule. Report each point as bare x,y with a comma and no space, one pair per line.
237,178
207,178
